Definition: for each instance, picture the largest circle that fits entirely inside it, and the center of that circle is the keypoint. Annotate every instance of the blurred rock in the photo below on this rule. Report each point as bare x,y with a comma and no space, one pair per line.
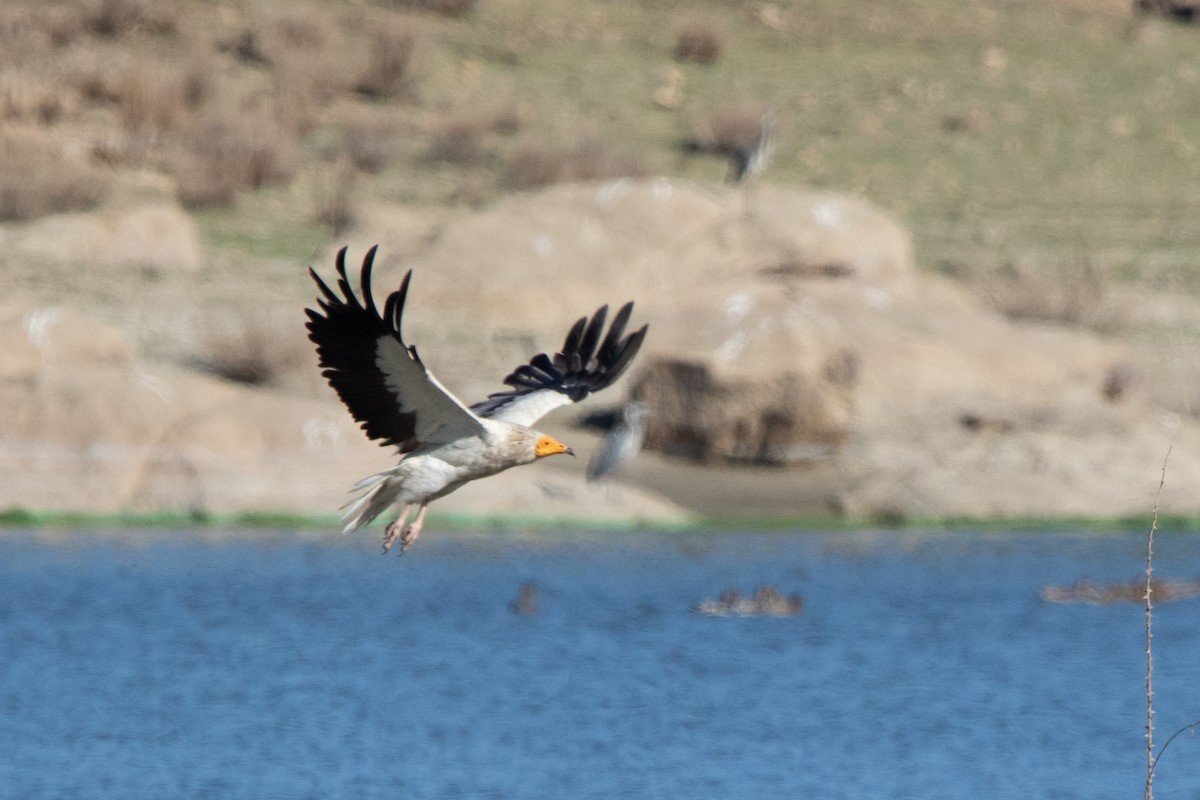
1181,10
155,236
797,363
87,427
783,418
791,328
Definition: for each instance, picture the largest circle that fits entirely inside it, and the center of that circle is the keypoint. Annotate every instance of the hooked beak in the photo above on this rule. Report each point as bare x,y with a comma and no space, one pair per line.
549,446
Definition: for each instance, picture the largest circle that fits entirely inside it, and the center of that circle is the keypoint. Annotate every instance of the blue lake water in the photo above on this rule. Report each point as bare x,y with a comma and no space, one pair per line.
277,665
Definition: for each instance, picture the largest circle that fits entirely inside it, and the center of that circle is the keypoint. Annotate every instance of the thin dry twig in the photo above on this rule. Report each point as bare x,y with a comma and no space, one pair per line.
1150,759
1191,726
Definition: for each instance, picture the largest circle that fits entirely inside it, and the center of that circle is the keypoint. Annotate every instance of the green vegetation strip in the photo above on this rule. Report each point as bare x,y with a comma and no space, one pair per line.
25,518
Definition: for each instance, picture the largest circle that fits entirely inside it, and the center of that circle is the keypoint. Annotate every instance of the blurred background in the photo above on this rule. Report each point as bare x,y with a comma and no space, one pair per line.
903,263
916,260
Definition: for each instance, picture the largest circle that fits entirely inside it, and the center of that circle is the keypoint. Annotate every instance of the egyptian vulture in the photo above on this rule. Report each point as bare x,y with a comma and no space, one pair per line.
443,443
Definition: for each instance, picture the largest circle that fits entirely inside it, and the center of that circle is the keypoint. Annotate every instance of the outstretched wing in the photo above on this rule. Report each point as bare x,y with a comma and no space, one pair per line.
581,368
380,378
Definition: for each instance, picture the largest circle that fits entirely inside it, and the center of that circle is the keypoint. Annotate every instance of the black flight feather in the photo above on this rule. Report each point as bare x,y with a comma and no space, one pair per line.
347,337
348,330
579,368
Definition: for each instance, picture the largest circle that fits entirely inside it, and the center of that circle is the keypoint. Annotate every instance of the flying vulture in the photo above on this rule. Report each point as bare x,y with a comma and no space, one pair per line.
443,443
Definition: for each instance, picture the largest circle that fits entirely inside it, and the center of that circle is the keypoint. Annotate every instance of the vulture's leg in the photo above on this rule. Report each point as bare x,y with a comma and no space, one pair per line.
412,531
394,528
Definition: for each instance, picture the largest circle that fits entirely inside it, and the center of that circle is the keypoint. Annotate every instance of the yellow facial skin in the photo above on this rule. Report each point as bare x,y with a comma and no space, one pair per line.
549,446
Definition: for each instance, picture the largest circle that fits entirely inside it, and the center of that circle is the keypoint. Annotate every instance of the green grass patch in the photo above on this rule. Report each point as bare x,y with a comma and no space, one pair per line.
267,520
1037,132
27,518
269,224
1041,132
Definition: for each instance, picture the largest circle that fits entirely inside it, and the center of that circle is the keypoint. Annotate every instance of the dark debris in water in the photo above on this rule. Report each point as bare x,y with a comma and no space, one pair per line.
766,601
1083,591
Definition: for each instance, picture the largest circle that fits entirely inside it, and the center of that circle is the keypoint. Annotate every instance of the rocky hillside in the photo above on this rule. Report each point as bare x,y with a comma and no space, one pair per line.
797,364
1007,327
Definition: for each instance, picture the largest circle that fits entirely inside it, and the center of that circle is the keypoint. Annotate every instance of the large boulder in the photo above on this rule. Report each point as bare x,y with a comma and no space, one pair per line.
791,328
738,364
796,363
157,236
89,427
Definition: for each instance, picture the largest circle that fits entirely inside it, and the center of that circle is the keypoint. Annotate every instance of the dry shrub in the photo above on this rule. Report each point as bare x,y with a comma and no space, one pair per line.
247,47
475,190
151,102
698,41
197,84
98,85
25,33
447,8
1185,11
461,140
62,28
1118,380
113,151
390,71
1076,294
304,72
275,33
23,99
335,207
508,119
252,348
49,107
369,142
35,180
116,18
537,164
153,106
591,157
298,28
727,128
303,85
228,153
587,158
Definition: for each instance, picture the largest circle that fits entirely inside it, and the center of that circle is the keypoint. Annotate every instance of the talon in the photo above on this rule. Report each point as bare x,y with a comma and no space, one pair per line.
389,536
412,531
394,529
407,538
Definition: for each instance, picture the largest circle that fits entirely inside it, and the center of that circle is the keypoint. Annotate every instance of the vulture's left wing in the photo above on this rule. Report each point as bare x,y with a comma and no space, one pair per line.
584,365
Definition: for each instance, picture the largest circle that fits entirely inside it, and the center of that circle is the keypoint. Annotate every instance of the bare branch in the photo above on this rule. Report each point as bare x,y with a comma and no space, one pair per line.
1148,794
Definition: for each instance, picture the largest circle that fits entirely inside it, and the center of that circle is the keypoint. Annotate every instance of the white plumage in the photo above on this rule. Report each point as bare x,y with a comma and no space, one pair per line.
443,443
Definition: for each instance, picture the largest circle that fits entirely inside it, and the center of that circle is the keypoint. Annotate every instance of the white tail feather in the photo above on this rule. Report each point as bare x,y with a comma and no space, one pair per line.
373,495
